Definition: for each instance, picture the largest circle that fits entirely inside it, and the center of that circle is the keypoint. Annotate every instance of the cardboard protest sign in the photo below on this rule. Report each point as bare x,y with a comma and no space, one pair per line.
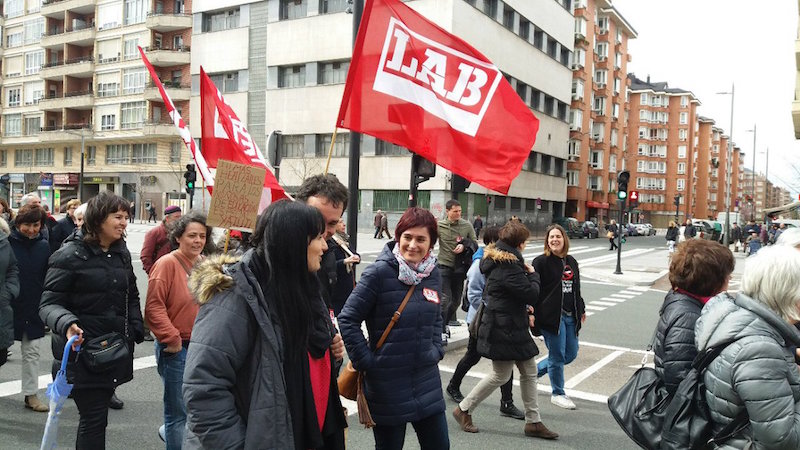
237,193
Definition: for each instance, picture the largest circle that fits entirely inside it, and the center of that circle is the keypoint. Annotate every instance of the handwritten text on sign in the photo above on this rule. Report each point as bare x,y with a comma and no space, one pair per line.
237,191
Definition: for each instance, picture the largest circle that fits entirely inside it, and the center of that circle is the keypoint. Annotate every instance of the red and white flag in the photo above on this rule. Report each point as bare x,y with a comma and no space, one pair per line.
225,137
222,122
414,84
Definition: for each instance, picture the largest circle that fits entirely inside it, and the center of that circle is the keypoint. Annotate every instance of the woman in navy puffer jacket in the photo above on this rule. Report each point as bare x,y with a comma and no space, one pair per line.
402,377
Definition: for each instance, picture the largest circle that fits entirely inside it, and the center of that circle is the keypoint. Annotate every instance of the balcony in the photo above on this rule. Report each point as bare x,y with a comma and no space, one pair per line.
82,67
81,35
165,23
71,100
63,133
167,57
176,92
159,128
56,8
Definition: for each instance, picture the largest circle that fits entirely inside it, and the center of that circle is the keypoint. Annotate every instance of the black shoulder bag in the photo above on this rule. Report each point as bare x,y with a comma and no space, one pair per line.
105,352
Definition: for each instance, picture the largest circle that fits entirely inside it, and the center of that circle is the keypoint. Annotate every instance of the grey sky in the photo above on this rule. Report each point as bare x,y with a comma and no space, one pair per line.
705,45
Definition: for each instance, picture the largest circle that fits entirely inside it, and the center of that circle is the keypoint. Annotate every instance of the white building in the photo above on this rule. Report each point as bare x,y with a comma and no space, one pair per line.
283,65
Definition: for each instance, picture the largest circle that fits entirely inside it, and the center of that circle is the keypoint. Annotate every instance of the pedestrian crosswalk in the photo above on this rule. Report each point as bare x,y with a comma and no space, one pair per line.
611,300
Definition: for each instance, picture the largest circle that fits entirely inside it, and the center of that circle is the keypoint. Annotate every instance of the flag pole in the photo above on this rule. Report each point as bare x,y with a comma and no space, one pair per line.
330,150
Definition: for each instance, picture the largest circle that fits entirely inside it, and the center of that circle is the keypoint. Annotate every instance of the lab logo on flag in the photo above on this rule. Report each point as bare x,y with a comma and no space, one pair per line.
449,84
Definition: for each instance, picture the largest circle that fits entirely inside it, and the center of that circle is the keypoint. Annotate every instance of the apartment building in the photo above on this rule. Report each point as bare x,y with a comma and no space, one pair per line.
662,124
290,64
598,112
73,79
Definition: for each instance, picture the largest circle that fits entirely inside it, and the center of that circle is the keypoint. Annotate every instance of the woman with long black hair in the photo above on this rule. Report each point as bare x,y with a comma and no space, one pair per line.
90,291
259,365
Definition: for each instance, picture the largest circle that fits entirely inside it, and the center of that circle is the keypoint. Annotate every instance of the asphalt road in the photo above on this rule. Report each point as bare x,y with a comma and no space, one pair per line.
612,343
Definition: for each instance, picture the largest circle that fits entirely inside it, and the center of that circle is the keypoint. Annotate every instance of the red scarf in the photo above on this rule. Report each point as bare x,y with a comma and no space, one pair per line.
320,371
699,298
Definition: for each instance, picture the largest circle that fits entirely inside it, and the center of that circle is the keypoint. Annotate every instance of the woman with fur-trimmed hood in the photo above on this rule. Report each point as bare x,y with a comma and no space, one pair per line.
259,370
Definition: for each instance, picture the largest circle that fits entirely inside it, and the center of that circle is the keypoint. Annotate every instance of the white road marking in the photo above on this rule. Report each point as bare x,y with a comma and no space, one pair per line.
595,308
591,370
611,257
599,303
638,288
618,295
588,313
632,293
612,299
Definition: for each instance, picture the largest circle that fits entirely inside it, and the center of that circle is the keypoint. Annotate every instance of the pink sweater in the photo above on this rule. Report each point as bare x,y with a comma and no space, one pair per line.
170,309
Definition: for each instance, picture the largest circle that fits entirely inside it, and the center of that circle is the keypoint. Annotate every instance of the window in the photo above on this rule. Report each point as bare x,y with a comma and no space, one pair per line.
580,26
602,25
595,183
681,184
600,77
397,200
575,120
684,101
340,148
599,105
14,8
13,124
490,8
226,82
681,151
34,30
291,76
13,97
14,38
524,29
133,114
33,62
44,157
333,72
383,148
508,17
91,155
131,52
684,118
33,125
293,9
67,156
3,158
577,89
596,159
107,89
602,50
538,39
612,163
514,203
23,157
643,99
118,153
681,168
175,152
292,146
682,134
135,11
615,111
618,60
573,177
578,58
144,154
552,47
617,85
108,121
332,6
222,20
133,80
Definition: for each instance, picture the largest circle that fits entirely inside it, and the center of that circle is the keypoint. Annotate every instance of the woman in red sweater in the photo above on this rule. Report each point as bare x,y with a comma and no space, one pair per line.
170,312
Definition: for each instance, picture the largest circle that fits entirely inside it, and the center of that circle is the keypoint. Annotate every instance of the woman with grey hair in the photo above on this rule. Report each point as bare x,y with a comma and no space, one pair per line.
756,373
790,237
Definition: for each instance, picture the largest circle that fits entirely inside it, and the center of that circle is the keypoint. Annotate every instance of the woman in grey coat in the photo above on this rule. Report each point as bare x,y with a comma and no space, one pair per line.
756,372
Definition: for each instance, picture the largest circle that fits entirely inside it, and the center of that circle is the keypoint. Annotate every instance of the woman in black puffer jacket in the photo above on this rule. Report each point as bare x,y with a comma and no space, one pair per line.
699,270
512,293
89,291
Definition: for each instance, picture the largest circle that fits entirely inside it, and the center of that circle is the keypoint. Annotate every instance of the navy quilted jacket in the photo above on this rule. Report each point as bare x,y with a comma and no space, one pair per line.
402,378
674,346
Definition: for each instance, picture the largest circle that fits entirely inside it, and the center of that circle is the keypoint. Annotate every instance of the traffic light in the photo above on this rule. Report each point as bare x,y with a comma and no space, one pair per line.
422,167
459,183
191,176
622,184
633,199
677,201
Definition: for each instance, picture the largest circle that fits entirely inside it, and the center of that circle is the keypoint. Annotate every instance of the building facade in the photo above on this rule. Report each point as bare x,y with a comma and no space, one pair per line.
598,111
300,50
76,98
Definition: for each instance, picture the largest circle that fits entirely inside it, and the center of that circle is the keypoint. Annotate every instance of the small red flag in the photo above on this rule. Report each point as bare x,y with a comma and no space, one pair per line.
416,85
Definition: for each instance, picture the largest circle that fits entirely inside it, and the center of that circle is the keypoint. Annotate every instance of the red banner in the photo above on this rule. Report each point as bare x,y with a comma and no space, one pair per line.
416,85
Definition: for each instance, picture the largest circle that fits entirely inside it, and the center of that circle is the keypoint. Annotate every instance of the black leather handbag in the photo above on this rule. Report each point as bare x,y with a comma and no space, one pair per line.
104,352
640,405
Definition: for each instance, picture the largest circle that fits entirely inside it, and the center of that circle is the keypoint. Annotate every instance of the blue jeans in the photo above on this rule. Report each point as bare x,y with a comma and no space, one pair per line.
431,434
562,349
170,367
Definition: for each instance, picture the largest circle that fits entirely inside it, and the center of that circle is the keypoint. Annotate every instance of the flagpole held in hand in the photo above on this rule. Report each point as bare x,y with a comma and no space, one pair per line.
330,150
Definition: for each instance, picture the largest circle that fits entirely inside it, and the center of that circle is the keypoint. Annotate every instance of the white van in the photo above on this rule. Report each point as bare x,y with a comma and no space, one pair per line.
733,217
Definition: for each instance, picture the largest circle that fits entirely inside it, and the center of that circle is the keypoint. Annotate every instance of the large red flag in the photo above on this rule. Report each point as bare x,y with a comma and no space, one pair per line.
225,137
416,85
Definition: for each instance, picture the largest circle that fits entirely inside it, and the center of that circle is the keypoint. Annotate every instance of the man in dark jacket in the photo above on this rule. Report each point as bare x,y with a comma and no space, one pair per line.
699,270
689,231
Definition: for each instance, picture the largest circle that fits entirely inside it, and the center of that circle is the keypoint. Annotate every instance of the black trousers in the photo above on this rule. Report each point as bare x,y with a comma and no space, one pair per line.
452,285
470,358
93,409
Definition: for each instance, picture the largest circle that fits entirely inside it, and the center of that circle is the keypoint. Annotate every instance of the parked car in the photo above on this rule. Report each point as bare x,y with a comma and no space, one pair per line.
571,225
590,230
706,230
645,229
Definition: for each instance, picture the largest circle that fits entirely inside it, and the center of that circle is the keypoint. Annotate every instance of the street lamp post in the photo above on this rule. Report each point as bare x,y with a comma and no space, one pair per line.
728,183
83,153
753,191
